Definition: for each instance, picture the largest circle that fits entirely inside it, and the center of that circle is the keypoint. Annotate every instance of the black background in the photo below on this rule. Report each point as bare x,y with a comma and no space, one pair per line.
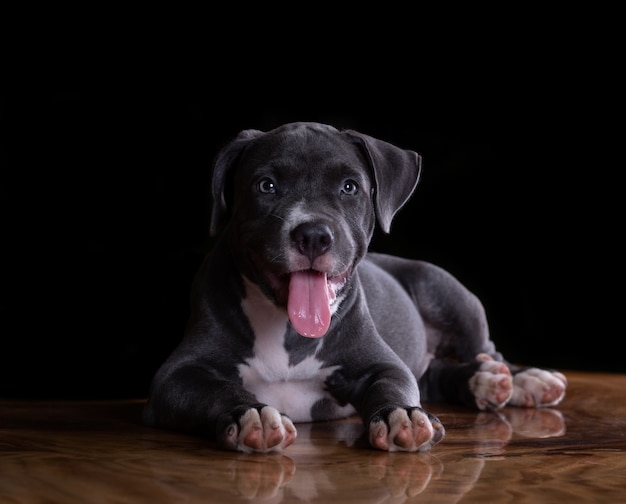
107,207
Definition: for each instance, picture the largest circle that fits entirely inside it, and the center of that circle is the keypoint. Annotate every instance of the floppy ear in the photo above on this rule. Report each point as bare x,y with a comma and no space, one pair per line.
396,173
224,161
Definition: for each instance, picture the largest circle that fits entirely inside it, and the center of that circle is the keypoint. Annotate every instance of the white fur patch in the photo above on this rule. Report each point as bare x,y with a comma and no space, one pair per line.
491,385
536,388
266,424
403,433
293,390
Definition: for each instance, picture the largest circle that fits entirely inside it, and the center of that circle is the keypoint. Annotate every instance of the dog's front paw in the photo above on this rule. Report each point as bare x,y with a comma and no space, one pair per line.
405,429
492,384
261,430
537,388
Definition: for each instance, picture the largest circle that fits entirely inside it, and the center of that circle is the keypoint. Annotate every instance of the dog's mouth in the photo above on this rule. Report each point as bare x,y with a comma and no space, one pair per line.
310,299
310,296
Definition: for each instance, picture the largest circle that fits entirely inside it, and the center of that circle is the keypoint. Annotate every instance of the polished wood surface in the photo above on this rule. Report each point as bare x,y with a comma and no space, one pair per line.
78,452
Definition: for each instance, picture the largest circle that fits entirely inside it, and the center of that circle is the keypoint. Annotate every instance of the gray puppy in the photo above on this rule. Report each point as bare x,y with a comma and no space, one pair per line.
292,320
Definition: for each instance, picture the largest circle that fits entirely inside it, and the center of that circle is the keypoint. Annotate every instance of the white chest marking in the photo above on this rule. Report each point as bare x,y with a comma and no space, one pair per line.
292,390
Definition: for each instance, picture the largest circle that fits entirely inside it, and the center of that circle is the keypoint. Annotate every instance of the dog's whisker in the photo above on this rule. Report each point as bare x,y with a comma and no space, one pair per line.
279,217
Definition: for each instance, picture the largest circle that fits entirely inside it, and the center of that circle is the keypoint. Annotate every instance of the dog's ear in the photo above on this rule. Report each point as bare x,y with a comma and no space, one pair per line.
396,172
225,160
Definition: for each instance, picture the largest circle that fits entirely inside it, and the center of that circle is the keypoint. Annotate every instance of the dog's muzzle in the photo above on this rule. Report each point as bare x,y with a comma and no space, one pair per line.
312,291
311,280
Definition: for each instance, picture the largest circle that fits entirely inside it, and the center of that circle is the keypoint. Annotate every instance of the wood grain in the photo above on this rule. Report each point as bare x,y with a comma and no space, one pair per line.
77,452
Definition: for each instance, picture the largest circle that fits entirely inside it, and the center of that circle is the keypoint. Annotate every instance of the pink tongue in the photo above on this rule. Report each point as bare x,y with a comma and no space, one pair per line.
308,305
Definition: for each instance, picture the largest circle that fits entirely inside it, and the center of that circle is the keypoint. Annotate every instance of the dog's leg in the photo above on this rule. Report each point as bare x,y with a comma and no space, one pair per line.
190,399
484,384
405,429
488,384
261,429
467,366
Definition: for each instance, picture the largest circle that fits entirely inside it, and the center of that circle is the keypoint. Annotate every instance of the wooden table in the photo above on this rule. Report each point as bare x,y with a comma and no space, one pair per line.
98,452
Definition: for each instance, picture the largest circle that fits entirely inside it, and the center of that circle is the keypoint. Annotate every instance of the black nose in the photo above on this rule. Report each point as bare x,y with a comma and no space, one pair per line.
312,239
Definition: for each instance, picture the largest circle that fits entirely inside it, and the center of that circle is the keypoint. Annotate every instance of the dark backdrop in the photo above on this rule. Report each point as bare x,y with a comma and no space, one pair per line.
107,211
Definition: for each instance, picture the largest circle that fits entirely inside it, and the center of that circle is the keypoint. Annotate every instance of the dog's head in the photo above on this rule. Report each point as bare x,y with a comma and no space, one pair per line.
305,200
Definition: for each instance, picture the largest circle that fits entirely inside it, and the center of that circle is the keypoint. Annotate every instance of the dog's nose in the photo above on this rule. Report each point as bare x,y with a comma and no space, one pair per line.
312,239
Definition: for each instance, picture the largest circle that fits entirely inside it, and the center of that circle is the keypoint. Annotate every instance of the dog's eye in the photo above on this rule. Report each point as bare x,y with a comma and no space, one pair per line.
267,186
349,187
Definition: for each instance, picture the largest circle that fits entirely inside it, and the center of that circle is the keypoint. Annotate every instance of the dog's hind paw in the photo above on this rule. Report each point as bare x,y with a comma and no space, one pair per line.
260,430
537,388
405,429
491,385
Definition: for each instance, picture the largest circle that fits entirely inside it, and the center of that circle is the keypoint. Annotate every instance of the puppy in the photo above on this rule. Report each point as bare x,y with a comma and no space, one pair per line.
293,320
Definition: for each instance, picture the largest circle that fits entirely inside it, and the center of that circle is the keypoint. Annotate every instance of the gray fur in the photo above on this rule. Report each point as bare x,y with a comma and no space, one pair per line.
241,370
